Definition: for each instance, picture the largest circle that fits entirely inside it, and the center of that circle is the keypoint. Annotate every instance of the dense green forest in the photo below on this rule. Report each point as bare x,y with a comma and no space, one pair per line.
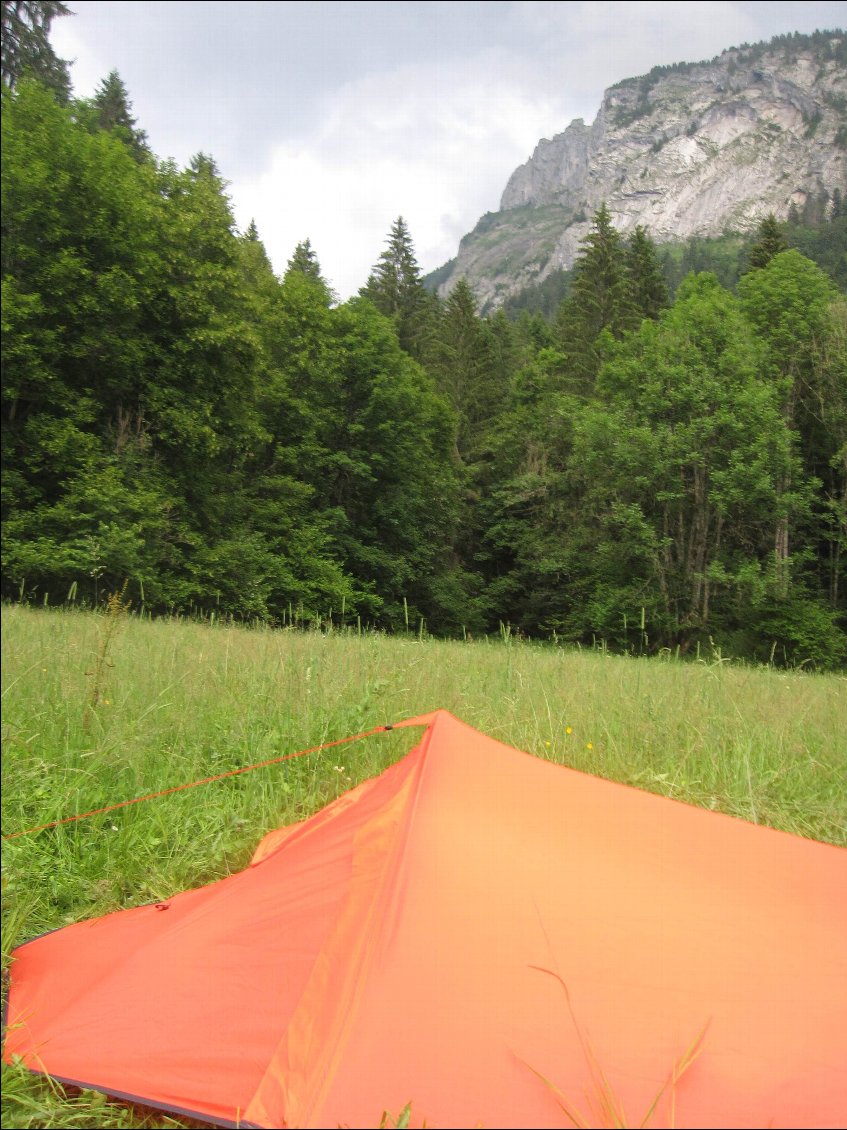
660,463
819,232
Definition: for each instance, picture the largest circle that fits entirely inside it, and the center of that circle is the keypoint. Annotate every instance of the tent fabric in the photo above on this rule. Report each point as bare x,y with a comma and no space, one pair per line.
500,941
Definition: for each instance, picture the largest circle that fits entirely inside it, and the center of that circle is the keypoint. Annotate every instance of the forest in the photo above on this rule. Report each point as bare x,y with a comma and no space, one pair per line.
658,465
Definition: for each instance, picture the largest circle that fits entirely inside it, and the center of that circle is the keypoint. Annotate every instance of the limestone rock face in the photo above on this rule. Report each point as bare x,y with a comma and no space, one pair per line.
691,150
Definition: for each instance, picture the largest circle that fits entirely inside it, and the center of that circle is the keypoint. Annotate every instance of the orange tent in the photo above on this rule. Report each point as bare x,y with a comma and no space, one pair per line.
500,941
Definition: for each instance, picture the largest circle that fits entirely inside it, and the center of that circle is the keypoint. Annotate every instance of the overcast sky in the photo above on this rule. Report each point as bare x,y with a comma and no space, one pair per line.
331,119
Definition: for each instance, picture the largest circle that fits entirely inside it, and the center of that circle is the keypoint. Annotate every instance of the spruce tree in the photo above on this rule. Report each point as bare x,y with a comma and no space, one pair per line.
463,363
204,166
305,261
396,288
113,112
258,275
600,298
770,242
649,290
26,47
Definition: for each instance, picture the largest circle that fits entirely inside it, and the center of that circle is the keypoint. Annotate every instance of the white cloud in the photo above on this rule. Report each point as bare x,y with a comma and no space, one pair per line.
87,69
436,143
324,135
434,146
593,32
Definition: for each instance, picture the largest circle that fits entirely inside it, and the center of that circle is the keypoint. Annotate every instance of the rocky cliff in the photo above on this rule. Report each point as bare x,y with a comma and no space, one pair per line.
688,150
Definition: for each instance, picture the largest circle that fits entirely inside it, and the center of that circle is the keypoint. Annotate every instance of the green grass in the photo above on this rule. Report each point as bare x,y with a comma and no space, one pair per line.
176,701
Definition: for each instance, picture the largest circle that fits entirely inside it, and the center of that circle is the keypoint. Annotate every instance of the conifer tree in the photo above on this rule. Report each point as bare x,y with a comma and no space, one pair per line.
387,479
464,366
305,261
113,112
600,299
258,274
26,47
396,288
203,165
649,290
251,240
815,208
770,242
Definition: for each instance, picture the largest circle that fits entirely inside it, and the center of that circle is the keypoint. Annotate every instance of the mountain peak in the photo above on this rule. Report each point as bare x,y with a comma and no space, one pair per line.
692,149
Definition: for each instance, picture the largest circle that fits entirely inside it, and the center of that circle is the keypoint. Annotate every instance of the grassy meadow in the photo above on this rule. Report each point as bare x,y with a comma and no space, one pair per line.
98,709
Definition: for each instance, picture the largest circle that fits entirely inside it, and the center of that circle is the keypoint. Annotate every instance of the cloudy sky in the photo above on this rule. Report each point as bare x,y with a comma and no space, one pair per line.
330,119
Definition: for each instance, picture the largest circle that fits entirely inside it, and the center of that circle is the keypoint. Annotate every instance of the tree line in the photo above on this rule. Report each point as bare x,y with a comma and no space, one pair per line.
639,471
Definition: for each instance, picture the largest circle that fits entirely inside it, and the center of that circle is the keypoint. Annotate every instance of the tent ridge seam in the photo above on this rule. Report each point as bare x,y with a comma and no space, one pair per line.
368,931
